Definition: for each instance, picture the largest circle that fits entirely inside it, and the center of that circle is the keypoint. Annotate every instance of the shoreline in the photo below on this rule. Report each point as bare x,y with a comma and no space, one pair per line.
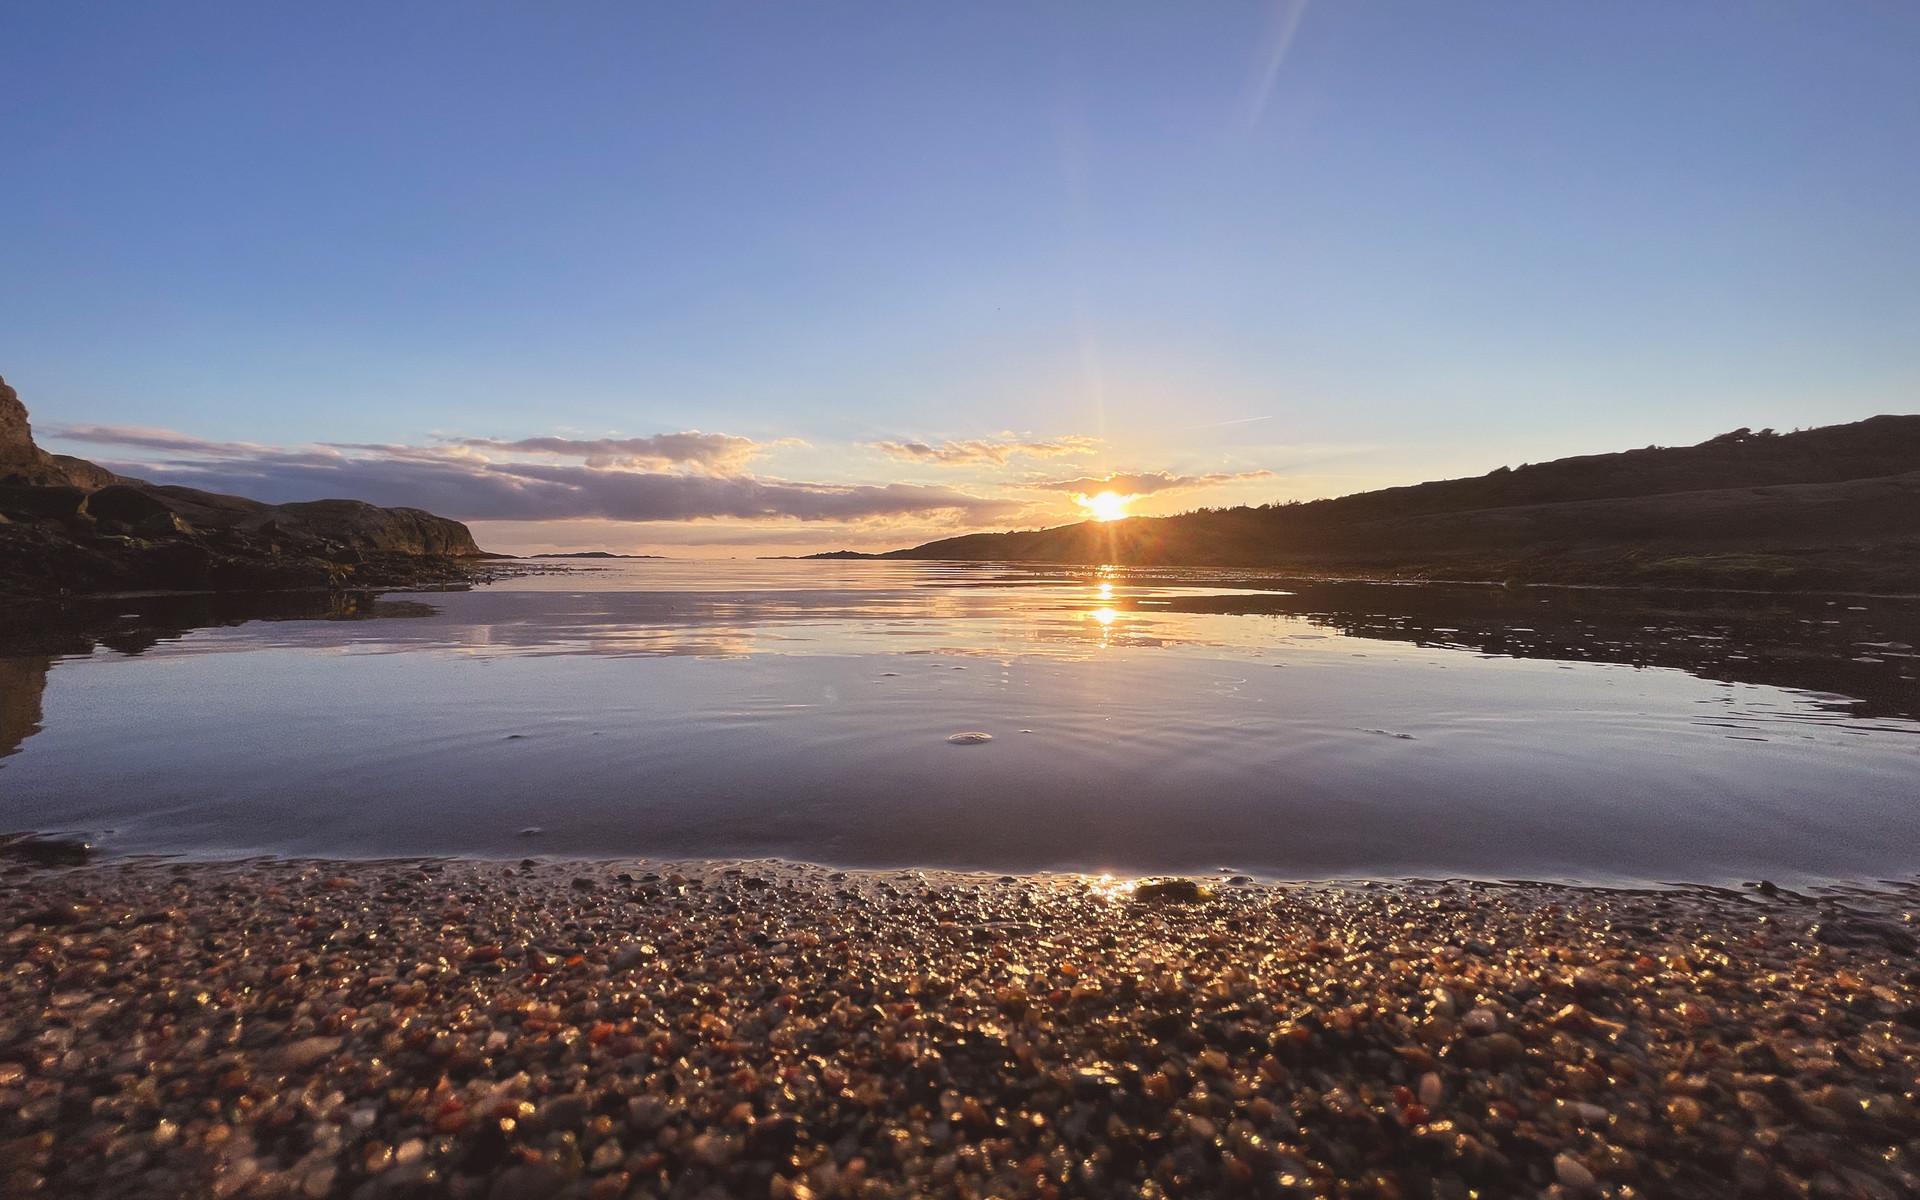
73,848
582,1028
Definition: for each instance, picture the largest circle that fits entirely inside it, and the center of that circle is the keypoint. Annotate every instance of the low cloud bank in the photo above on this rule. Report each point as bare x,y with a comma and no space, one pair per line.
461,480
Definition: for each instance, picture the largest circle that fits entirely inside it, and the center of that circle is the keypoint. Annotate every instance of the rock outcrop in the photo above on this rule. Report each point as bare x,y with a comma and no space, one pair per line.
70,526
22,462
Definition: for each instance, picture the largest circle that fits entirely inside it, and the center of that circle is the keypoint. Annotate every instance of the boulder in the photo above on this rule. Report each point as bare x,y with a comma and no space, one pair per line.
81,473
30,502
126,503
162,525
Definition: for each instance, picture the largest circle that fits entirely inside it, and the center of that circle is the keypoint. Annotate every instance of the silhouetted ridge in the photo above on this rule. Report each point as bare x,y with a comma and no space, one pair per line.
1875,447
1835,506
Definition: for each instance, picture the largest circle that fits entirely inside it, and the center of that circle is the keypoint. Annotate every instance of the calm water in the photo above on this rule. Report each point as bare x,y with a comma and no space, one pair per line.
1138,723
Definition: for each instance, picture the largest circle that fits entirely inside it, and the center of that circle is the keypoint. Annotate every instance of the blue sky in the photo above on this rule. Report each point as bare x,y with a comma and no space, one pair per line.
1248,251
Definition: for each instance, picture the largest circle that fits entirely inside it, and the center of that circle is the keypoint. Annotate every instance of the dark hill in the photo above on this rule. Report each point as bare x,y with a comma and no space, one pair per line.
1832,507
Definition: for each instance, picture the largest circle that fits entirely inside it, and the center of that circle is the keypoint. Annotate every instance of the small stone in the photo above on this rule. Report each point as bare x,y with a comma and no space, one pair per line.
300,1055
606,1156
1431,1089
564,1112
633,954
1571,1172
318,1183
527,1181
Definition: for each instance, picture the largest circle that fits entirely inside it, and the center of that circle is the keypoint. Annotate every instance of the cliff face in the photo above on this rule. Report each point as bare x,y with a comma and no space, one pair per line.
23,462
18,454
67,525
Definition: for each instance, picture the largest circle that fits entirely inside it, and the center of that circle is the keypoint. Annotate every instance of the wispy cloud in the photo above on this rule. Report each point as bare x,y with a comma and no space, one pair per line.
1236,421
146,438
721,452
1283,25
993,451
1144,483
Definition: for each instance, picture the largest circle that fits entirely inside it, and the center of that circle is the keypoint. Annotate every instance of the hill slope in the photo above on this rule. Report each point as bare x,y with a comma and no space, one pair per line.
1832,507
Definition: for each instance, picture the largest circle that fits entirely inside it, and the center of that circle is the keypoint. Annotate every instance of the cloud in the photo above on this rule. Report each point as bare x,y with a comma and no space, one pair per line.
455,480
1144,483
995,451
150,439
721,452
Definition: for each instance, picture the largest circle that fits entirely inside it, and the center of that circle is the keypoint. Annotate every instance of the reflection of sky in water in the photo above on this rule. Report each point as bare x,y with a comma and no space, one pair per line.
1138,724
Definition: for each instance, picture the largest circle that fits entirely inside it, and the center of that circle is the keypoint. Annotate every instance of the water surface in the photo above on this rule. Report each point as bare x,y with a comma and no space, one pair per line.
1138,723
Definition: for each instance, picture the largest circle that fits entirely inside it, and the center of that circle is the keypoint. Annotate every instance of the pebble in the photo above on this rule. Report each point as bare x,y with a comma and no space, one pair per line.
300,1055
1431,1090
1571,1172
1481,1021
478,1031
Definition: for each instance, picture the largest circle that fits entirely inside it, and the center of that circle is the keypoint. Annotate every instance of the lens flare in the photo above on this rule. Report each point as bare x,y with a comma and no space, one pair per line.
1106,506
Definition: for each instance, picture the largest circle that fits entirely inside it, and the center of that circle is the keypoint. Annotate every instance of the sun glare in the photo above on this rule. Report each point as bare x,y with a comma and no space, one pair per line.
1106,506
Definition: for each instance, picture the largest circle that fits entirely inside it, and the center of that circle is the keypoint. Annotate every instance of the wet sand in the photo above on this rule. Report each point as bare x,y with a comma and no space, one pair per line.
479,1029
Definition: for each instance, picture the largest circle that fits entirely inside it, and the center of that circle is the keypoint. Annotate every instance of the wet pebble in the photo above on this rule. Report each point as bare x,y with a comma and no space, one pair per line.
476,1031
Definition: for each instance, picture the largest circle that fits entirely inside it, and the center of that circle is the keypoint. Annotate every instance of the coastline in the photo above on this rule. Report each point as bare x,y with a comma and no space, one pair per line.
391,1028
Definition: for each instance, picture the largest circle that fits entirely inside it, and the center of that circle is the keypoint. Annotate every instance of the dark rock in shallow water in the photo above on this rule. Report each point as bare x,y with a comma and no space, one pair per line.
53,916
1172,891
44,850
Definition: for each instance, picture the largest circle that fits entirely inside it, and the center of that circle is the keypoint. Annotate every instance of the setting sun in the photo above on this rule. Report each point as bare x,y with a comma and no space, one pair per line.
1106,506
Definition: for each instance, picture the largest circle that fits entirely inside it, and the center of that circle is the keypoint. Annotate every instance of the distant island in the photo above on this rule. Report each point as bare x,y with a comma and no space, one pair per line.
1836,507
833,554
593,554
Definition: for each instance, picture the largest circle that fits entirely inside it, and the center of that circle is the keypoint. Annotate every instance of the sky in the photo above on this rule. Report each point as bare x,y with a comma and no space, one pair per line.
730,279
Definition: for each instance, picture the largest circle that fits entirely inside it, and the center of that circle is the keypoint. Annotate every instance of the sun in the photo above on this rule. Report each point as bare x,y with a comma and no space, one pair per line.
1106,506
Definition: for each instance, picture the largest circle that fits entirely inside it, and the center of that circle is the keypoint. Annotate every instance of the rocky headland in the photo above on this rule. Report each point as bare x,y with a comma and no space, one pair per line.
71,527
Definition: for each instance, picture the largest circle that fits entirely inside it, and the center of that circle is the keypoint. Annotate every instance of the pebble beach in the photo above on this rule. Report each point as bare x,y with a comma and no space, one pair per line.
386,1030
